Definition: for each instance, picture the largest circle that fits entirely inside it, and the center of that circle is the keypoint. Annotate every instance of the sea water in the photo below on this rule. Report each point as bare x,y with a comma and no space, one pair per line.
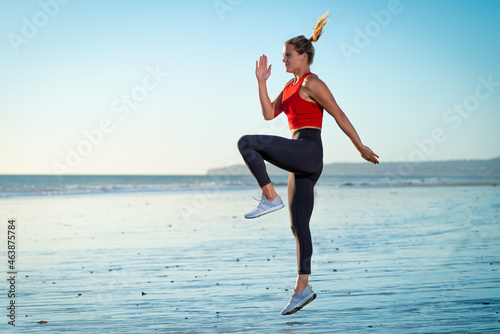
47,185
387,259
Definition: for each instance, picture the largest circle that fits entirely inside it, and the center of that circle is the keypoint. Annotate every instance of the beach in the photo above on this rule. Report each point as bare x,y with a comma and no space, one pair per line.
404,259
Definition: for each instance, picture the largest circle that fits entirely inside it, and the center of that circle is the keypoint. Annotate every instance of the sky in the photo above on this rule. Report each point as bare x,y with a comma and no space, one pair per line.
168,87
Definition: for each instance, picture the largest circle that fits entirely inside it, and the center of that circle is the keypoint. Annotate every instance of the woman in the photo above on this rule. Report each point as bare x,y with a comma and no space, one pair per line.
302,100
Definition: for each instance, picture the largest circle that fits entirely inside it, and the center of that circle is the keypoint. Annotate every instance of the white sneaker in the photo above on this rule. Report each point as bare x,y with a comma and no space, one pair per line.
264,206
299,300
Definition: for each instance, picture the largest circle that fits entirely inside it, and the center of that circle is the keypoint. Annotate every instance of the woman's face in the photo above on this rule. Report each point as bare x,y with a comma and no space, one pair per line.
293,61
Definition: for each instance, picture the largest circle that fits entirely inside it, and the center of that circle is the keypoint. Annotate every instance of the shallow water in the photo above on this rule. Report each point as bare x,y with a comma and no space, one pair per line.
400,260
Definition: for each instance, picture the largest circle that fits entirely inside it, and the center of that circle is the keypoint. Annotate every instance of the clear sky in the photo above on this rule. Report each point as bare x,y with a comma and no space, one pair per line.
168,87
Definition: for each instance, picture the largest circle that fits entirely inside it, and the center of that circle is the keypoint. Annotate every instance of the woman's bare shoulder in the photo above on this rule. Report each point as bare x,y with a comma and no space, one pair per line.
312,81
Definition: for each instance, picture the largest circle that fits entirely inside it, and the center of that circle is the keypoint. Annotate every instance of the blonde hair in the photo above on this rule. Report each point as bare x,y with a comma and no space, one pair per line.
318,30
302,44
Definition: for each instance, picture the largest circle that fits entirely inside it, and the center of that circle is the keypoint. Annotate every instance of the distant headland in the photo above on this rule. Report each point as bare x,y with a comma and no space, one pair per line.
490,167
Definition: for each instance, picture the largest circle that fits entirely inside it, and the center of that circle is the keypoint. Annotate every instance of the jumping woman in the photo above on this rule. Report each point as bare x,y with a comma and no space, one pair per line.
302,100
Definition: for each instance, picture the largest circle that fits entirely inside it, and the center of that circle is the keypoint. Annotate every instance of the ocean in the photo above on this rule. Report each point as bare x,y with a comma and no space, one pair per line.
51,185
174,254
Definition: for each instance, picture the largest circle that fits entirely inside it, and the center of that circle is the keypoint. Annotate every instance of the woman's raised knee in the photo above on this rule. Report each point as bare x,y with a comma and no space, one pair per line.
244,142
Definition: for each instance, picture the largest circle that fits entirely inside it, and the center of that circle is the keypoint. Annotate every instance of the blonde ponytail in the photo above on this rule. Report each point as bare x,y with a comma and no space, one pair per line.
318,30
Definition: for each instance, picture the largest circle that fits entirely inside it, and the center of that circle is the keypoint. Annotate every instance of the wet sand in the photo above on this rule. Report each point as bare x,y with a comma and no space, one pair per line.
400,260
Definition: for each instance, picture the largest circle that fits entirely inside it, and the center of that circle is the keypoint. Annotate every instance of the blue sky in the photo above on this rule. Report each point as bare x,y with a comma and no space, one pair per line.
168,87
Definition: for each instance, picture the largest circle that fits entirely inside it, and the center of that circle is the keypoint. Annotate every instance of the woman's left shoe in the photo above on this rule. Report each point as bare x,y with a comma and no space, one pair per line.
264,206
299,300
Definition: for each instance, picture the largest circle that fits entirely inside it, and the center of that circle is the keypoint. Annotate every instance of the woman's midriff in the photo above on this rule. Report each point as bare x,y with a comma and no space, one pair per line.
305,127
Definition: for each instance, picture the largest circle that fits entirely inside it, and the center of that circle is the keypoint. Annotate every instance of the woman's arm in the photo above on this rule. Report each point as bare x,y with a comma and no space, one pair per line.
319,92
269,109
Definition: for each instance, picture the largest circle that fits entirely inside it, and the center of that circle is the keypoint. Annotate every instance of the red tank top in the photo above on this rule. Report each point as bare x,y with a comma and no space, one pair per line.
300,112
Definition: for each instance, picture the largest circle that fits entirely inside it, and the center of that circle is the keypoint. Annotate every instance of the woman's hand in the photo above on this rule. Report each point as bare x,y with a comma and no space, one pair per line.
368,154
262,72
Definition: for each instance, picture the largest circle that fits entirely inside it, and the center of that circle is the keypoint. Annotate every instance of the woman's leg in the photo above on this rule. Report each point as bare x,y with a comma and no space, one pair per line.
301,203
303,158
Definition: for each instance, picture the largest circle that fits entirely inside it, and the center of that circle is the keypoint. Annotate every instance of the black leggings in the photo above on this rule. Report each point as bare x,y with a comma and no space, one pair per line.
302,156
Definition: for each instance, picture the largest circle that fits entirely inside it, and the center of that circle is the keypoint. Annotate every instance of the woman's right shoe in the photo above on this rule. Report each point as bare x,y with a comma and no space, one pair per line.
264,206
299,300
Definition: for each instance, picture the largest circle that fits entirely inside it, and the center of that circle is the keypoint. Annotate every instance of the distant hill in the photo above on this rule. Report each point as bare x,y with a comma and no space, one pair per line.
489,167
